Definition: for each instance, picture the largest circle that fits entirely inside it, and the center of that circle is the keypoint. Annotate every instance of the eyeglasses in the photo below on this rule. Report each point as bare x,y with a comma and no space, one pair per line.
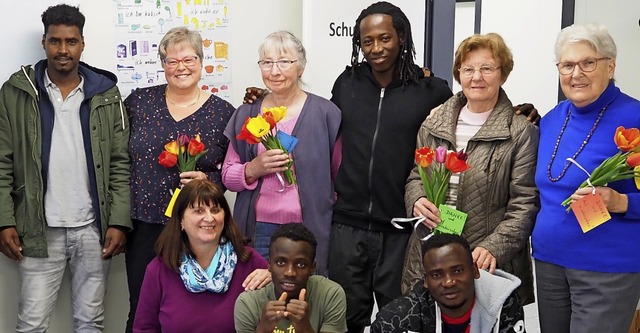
186,61
586,66
484,70
266,65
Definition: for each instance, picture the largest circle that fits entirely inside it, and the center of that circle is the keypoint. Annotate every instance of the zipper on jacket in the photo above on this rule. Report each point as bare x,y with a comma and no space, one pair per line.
373,149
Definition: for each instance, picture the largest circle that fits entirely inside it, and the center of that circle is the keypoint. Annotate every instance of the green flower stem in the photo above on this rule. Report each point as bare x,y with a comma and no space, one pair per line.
271,141
612,169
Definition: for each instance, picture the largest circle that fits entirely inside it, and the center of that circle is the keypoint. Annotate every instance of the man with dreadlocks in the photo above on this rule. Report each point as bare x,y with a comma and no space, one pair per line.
383,100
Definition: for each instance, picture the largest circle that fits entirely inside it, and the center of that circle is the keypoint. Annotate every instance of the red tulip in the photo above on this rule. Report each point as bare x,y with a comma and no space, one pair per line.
246,135
454,164
462,155
195,147
167,159
269,117
633,160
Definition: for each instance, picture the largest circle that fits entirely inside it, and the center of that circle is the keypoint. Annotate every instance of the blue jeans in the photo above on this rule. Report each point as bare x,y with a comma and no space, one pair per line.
41,279
264,230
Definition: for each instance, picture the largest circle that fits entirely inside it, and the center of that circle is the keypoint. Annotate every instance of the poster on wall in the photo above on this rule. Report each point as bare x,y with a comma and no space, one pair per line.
141,24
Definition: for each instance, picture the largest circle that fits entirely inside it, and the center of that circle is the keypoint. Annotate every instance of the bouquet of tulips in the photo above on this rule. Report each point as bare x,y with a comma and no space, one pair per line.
436,180
263,129
184,152
623,165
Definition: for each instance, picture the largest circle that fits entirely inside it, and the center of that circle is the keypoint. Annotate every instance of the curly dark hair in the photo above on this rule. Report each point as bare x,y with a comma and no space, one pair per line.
408,72
441,240
296,232
63,14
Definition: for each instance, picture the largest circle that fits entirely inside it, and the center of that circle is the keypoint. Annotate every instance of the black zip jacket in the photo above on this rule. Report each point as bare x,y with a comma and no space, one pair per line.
379,129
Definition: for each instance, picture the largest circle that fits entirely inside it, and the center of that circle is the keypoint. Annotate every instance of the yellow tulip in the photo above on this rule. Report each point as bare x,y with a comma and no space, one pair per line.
258,126
278,112
172,147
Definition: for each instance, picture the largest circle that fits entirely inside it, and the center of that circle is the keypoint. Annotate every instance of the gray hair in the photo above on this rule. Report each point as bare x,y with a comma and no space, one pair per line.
181,35
284,42
594,34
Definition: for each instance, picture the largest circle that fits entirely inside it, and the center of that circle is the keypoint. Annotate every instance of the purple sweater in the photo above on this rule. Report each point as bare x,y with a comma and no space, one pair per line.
317,130
167,306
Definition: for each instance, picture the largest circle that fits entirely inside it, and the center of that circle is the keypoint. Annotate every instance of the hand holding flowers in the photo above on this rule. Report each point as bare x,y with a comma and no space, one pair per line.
435,181
623,165
263,129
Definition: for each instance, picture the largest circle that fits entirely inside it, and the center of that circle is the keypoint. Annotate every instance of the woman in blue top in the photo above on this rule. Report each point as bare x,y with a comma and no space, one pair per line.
586,282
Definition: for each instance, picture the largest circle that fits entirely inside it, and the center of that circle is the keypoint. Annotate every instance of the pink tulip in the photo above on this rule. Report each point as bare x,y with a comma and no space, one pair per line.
441,154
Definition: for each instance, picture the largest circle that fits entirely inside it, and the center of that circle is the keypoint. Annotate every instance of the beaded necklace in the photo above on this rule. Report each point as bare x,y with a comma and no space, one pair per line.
584,143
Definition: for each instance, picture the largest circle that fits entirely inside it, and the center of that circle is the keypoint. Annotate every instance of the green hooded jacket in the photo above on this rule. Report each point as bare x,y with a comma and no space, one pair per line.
23,173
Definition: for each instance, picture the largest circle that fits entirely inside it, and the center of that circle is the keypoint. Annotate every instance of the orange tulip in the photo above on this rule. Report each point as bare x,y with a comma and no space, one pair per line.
424,156
627,139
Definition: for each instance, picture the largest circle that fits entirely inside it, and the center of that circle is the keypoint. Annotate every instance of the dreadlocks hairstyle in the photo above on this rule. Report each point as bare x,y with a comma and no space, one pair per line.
408,72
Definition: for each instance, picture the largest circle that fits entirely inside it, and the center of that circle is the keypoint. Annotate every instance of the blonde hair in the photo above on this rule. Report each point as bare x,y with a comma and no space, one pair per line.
181,35
492,42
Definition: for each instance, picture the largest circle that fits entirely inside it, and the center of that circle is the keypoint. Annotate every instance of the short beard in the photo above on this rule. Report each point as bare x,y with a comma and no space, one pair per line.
452,307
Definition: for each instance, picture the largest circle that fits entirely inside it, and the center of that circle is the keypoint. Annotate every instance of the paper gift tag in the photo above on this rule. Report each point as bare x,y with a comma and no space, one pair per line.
288,142
169,209
451,220
590,212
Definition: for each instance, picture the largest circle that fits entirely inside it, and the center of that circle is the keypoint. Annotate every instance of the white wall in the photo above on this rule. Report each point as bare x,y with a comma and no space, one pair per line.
622,18
529,27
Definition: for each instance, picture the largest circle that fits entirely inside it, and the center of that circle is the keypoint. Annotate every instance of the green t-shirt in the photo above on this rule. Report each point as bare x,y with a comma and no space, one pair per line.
327,306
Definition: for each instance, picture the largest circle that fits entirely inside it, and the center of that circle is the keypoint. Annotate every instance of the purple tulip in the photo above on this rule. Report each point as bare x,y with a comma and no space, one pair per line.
183,140
462,155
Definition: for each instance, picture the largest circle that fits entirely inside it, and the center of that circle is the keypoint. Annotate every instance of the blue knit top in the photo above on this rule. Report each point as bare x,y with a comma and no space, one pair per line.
557,237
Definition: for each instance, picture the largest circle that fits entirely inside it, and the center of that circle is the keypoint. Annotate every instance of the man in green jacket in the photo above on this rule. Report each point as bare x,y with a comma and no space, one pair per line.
64,176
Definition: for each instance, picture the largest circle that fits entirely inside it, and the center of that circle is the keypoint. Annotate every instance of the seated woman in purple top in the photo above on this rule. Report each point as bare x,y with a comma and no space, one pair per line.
193,283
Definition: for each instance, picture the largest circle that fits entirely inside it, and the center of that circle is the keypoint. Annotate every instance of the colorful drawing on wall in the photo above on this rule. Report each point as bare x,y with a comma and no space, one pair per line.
140,25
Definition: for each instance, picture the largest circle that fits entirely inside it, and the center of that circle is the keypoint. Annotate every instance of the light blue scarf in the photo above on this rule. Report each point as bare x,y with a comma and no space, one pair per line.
218,275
